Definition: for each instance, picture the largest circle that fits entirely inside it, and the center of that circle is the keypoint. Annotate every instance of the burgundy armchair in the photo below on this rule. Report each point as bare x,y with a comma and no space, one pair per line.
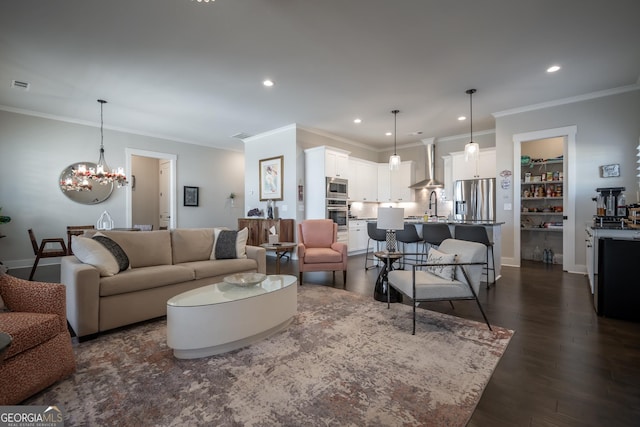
318,248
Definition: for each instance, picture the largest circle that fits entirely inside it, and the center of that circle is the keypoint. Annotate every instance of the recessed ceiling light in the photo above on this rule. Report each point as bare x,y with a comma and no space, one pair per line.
357,121
268,83
461,118
388,133
553,69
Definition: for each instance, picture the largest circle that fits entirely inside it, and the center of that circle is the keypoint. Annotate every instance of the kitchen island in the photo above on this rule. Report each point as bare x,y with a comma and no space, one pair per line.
358,234
494,231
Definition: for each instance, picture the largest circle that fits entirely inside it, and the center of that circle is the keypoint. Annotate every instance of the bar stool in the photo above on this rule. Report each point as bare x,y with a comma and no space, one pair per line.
377,236
410,235
435,233
477,233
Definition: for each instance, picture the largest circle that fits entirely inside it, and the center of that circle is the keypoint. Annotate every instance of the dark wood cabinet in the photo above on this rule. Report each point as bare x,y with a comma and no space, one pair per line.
259,229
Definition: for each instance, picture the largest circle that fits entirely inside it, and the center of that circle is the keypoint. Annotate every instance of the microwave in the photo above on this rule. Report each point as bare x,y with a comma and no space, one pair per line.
337,188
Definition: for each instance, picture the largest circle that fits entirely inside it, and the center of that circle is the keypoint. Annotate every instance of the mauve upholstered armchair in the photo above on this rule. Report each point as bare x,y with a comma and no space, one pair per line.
319,249
40,353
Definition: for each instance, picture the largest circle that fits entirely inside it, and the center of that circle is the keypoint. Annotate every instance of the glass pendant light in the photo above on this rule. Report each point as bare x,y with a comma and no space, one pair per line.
471,149
394,160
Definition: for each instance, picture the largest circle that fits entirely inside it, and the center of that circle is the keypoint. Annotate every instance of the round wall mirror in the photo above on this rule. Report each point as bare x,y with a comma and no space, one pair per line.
98,194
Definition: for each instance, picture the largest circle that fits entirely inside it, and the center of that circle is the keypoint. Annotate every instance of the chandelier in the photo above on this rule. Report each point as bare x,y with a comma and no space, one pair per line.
82,178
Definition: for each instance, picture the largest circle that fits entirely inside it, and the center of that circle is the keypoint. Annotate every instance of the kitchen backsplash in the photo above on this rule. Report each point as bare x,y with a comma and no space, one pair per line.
418,208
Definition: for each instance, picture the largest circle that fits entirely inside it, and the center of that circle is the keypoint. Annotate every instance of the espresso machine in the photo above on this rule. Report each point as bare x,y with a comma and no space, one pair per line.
611,206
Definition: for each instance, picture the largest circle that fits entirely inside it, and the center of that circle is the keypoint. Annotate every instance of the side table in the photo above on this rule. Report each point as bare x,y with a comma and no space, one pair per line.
382,283
280,249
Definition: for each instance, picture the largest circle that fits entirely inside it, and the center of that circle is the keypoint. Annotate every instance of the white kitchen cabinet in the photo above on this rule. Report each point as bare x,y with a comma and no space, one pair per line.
358,236
393,186
461,169
363,179
384,183
336,164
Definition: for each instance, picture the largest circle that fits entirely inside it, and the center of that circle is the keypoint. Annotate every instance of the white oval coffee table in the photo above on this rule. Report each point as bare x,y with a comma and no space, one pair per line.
222,317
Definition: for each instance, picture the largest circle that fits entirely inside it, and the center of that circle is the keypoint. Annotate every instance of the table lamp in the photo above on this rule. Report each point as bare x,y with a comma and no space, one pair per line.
391,219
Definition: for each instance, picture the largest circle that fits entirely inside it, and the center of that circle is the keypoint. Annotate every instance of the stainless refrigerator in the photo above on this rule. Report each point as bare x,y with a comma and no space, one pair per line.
475,199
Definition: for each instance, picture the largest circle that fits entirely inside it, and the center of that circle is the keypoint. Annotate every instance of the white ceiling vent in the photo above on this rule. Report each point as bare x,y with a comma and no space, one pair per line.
241,135
17,84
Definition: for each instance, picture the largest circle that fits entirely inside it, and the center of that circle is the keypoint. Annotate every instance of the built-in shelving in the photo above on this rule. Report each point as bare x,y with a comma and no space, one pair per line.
541,200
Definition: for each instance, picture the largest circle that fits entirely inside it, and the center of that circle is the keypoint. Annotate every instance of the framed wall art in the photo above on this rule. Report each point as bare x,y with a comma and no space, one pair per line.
271,173
191,196
610,171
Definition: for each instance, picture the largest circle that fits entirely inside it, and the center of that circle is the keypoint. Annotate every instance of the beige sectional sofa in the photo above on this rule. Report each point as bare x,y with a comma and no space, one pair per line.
162,264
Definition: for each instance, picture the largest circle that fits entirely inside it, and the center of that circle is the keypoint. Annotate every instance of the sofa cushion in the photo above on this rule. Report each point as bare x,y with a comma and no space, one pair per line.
191,244
92,252
437,257
221,267
28,330
137,279
144,249
321,255
121,257
229,244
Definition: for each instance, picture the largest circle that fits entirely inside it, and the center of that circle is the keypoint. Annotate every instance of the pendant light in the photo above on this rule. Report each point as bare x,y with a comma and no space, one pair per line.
102,173
471,149
394,160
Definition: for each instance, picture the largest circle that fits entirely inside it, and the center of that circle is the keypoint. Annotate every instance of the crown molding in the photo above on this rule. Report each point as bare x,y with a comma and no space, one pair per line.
269,133
570,100
337,138
114,128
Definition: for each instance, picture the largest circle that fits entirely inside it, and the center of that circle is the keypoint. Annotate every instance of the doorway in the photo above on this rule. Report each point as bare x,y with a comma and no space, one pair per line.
158,186
568,226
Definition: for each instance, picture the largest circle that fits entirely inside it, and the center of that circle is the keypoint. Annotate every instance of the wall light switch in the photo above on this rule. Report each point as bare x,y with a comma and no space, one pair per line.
507,206
284,208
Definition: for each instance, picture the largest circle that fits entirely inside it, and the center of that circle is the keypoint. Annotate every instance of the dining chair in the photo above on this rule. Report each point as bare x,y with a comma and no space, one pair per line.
76,230
41,251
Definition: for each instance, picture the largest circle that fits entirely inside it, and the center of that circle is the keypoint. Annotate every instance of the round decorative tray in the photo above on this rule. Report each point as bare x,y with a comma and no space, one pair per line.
245,279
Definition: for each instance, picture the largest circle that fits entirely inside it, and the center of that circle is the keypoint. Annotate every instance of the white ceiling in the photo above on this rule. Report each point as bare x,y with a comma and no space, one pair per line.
192,71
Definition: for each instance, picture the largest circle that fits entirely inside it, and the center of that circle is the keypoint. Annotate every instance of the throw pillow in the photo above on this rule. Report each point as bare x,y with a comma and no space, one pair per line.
92,252
121,257
229,244
444,271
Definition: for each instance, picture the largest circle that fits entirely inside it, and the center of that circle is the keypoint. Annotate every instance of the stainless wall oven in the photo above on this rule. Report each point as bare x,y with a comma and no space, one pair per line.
338,211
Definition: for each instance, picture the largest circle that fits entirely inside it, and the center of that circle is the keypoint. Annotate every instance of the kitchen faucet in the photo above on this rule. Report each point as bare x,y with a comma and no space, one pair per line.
435,203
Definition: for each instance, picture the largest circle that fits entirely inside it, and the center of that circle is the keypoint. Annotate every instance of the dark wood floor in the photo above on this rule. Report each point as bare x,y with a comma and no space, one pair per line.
565,366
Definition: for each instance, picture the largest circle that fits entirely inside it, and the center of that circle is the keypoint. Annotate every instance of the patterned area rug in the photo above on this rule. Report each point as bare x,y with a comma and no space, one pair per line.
345,360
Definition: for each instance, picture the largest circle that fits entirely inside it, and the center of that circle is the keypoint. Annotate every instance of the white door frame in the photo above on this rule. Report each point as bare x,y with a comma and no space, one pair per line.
173,159
569,191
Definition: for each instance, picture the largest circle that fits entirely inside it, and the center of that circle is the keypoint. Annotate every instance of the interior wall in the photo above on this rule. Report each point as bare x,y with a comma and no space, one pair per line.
607,132
38,149
548,148
144,195
279,142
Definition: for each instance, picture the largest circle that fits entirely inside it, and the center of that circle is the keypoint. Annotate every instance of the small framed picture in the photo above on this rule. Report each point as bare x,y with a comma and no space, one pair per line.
610,171
191,197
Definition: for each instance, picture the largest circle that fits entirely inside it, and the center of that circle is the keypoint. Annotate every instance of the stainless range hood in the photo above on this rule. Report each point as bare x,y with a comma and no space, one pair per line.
430,168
